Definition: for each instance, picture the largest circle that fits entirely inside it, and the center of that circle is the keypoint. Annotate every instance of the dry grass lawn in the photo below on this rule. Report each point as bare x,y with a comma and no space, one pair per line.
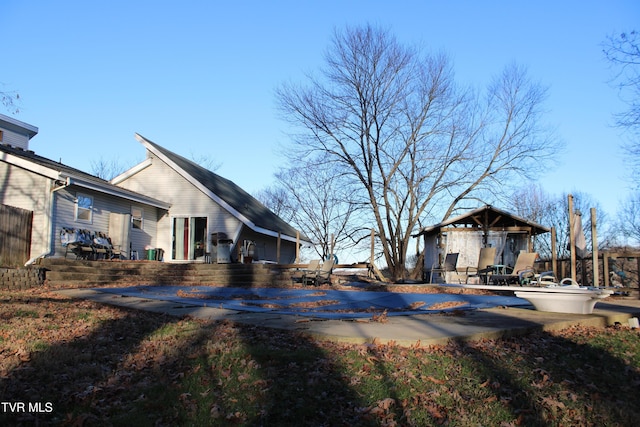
77,363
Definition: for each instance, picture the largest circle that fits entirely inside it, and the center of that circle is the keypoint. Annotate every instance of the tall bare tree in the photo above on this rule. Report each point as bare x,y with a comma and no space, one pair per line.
10,99
278,200
628,220
534,204
410,143
315,201
107,169
623,52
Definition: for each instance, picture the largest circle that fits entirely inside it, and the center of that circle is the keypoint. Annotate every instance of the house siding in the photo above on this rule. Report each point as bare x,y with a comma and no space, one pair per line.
186,201
27,190
23,189
266,247
14,139
103,206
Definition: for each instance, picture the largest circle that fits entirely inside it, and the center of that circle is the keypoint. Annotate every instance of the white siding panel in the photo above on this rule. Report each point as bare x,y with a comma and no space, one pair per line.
147,237
103,206
266,247
15,139
26,190
162,182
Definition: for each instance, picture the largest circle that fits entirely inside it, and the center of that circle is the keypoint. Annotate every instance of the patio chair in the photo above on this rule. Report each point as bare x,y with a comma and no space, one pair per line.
450,265
485,261
102,245
312,268
78,242
522,272
322,275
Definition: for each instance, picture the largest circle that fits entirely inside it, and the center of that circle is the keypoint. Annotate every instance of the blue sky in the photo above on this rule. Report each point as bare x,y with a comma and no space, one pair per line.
198,77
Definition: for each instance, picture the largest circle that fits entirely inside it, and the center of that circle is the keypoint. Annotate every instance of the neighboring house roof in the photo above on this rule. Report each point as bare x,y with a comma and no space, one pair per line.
17,126
28,160
486,216
226,193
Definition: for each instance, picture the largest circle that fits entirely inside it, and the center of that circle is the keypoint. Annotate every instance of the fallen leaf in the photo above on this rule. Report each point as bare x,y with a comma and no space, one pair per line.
435,380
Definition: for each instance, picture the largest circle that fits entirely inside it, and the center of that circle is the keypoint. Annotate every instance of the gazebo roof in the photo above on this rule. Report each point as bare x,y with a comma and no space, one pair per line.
486,217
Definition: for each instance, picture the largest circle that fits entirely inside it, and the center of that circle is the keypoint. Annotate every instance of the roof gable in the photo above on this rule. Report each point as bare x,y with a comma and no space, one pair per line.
488,216
237,201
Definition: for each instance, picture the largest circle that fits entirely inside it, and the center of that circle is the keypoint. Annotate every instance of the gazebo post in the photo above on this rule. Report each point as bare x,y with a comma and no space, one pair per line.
594,249
485,229
278,242
554,253
572,238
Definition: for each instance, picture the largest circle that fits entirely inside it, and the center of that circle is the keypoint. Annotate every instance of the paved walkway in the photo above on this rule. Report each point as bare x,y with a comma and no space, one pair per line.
424,329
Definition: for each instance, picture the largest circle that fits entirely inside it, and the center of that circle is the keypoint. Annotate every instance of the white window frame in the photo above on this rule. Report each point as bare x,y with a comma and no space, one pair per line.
81,209
137,221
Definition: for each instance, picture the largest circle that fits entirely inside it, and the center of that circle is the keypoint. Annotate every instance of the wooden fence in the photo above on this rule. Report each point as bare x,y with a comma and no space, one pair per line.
15,236
615,268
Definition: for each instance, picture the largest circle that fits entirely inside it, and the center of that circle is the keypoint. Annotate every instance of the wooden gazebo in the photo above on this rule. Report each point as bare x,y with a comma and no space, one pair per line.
487,226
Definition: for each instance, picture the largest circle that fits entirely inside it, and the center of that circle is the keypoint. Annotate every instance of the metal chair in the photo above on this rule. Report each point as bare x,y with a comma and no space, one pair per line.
449,265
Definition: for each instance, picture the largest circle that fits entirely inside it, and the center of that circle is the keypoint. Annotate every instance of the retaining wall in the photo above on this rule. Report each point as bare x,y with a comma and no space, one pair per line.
21,278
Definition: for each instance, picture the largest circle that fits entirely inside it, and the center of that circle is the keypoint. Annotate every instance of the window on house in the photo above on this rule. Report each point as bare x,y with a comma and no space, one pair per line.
0,136
84,208
137,218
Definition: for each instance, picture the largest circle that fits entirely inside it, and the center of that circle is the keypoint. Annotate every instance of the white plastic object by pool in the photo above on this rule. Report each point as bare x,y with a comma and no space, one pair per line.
568,297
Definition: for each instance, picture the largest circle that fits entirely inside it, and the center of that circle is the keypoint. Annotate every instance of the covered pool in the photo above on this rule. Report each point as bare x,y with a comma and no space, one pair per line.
319,303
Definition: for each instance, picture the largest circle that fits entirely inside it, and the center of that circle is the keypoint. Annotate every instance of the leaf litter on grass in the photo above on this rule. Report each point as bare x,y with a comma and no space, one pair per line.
121,365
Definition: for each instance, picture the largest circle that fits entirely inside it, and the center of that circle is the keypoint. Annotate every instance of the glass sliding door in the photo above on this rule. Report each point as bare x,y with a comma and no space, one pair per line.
180,250
189,238
199,237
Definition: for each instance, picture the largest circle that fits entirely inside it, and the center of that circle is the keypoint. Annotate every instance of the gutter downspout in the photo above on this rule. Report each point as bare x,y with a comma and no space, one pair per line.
49,223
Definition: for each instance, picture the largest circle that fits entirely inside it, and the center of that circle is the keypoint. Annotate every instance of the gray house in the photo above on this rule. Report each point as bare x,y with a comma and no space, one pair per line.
167,202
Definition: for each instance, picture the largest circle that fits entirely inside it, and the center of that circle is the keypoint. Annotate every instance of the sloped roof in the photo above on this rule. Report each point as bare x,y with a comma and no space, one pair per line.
491,217
17,126
27,159
242,205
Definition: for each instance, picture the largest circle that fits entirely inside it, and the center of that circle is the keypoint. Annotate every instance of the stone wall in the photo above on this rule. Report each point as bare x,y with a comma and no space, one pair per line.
21,278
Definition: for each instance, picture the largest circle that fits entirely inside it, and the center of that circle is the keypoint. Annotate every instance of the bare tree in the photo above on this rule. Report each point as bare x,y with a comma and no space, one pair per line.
623,52
314,199
628,221
106,169
10,99
534,204
109,169
206,161
277,199
410,143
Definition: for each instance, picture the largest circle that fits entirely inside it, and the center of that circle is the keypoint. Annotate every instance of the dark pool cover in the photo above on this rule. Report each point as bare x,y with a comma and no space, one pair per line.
329,304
